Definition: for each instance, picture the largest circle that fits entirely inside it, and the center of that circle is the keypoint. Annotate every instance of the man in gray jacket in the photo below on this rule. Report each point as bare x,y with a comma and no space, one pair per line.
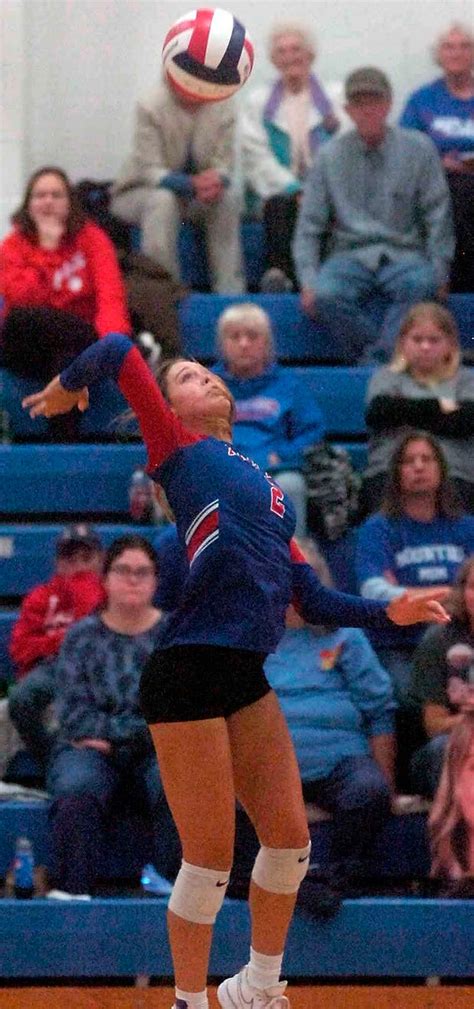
181,167
378,198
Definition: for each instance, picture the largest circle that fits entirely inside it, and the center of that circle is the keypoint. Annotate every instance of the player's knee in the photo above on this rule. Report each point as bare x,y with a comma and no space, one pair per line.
198,893
281,870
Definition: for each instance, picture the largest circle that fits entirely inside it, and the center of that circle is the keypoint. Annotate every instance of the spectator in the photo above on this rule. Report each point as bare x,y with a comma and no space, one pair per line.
419,538
276,418
381,193
74,591
452,815
283,125
61,285
339,706
182,166
104,747
444,110
424,386
442,685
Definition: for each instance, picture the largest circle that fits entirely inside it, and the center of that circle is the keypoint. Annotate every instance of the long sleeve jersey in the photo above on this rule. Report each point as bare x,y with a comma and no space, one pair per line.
81,276
233,521
47,612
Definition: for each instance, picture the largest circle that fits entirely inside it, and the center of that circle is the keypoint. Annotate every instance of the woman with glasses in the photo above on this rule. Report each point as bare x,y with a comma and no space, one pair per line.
104,748
216,724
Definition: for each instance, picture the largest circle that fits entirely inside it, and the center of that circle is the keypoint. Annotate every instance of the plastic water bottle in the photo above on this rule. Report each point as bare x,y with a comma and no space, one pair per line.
23,869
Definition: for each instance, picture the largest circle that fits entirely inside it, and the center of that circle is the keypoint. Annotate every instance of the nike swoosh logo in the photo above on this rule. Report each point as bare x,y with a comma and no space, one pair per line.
305,859
224,883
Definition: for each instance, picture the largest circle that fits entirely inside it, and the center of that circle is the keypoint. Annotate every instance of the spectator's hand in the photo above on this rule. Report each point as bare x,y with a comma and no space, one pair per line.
308,301
273,459
50,230
448,405
53,399
419,606
208,186
101,745
442,292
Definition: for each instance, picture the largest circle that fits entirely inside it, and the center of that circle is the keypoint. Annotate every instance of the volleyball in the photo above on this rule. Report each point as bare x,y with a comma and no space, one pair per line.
207,55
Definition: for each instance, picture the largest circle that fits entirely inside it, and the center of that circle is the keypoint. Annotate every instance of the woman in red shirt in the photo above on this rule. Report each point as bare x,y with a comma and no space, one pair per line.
60,282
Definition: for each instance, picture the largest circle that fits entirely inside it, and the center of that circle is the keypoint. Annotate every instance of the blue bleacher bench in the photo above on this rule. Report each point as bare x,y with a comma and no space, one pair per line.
371,937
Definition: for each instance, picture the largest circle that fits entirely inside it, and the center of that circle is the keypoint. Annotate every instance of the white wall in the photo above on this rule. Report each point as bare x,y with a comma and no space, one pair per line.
88,60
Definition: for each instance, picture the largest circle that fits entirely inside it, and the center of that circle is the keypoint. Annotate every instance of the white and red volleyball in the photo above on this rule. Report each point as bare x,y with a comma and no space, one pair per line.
207,55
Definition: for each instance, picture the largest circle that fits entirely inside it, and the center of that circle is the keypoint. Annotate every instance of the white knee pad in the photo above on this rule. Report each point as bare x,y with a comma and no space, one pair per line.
198,893
281,870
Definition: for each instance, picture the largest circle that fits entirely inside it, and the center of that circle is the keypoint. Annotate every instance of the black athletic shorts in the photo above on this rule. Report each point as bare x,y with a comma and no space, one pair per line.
186,683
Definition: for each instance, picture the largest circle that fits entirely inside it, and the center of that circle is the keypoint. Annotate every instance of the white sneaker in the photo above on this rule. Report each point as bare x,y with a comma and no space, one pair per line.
237,993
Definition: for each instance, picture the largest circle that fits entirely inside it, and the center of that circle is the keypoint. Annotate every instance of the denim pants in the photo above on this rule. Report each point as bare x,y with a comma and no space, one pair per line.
357,795
426,766
344,284
87,789
28,704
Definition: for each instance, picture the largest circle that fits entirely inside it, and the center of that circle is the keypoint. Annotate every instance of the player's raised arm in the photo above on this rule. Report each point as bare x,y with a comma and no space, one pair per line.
116,357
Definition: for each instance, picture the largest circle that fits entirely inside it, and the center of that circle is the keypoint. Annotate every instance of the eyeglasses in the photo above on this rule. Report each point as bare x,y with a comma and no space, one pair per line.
124,571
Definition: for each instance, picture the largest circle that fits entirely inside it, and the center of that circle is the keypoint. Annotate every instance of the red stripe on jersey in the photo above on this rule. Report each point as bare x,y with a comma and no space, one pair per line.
183,26
200,37
206,527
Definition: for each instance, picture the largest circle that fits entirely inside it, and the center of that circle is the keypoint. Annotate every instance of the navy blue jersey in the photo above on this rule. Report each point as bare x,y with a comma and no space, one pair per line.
233,521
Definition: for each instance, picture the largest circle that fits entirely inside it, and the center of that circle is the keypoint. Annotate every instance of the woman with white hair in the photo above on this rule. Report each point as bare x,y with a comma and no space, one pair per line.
283,125
444,109
276,417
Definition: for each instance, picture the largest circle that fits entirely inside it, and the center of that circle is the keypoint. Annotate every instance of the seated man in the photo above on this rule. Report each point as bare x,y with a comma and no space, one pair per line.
381,193
339,706
442,685
444,110
182,166
74,591
418,539
275,416
282,127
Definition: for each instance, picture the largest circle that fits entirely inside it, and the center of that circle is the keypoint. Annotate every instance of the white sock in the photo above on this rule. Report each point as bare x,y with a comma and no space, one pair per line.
191,999
264,971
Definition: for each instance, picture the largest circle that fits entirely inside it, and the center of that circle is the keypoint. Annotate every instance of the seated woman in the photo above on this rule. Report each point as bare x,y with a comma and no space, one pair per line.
444,109
452,816
442,685
61,286
283,124
424,386
104,748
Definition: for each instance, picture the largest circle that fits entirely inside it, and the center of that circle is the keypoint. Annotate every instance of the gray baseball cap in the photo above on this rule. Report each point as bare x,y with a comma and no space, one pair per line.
367,81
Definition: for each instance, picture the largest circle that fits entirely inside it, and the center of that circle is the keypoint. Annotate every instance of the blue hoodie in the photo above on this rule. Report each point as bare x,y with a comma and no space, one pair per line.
334,694
275,412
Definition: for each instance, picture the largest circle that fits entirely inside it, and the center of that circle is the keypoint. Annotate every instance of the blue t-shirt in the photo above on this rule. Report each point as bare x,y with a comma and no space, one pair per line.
448,120
416,554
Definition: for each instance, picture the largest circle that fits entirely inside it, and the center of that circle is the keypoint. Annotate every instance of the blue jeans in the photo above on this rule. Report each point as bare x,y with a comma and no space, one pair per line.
357,795
344,284
426,766
28,702
85,786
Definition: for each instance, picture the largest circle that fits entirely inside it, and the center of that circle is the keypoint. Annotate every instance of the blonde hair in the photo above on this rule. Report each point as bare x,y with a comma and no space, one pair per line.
455,26
298,28
245,312
449,831
444,321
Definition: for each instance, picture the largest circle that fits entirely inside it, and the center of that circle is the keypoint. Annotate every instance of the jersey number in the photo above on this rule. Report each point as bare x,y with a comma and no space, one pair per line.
277,506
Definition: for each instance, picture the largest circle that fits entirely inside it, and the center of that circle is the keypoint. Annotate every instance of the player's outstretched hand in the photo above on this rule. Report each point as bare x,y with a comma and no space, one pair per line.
53,399
419,606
